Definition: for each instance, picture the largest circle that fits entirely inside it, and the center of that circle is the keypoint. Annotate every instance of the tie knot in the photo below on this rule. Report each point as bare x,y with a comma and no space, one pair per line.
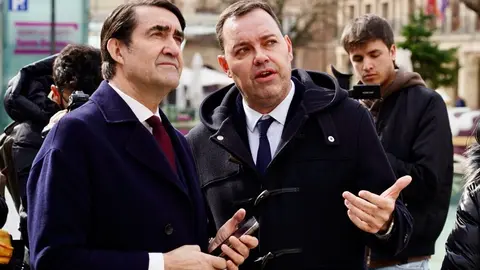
154,121
264,124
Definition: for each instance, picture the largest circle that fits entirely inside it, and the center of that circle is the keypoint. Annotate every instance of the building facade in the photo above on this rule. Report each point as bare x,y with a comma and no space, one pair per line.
460,29
202,15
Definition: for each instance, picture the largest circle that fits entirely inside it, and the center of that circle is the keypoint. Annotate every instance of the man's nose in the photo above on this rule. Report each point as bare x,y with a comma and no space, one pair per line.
367,64
172,49
260,57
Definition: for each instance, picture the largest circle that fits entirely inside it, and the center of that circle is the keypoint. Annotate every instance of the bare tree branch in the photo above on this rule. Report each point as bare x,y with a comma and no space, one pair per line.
315,20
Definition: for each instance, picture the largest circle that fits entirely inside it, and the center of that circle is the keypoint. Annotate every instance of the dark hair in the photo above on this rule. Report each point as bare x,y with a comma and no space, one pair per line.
239,9
78,67
472,164
366,28
120,25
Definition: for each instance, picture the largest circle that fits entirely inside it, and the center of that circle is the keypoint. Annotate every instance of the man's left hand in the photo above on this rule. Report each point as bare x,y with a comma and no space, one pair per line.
373,213
239,248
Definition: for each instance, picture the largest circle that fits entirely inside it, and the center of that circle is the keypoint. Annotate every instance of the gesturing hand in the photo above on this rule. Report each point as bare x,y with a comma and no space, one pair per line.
373,213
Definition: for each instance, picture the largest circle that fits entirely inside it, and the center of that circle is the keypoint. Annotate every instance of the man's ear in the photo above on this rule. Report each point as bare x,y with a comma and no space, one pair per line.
393,52
114,49
223,63
55,94
289,46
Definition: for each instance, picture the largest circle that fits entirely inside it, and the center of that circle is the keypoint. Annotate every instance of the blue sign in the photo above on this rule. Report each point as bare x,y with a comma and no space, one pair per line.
18,5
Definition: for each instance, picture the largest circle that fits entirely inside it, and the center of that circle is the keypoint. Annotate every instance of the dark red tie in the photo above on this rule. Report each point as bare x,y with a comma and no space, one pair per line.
163,140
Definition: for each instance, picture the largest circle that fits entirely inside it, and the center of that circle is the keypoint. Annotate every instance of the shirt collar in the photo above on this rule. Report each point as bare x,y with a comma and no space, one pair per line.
140,111
279,113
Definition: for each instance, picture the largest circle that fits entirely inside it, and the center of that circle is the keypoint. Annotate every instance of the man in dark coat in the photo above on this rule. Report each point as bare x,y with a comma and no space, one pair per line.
295,151
414,129
114,185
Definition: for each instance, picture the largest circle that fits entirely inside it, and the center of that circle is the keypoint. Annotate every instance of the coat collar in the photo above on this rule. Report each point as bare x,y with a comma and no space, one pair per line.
112,106
140,143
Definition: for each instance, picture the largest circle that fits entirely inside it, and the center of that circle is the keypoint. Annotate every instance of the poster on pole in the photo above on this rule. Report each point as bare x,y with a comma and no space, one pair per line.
26,32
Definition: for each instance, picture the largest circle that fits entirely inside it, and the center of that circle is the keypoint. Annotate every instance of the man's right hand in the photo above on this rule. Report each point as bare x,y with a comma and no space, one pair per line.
191,258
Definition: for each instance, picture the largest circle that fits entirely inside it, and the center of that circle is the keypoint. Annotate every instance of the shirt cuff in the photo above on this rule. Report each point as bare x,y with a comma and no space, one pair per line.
386,235
156,261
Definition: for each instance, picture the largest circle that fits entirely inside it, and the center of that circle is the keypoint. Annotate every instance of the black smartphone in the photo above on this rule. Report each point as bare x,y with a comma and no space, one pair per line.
247,227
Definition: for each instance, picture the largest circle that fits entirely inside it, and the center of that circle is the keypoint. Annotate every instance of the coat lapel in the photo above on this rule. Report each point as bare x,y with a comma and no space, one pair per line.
143,147
228,138
140,144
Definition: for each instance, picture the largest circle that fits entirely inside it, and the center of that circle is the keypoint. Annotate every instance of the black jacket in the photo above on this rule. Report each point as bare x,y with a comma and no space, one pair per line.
463,243
26,101
328,146
26,98
414,129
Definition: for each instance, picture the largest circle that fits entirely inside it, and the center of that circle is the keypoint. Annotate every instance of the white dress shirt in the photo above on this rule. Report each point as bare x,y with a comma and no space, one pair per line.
274,133
143,113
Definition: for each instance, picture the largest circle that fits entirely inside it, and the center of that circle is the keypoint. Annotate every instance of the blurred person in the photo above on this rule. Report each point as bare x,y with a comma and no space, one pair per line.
412,123
294,151
27,102
114,185
460,102
32,98
76,67
462,249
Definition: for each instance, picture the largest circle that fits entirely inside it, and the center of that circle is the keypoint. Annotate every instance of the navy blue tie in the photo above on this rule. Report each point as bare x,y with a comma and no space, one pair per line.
264,155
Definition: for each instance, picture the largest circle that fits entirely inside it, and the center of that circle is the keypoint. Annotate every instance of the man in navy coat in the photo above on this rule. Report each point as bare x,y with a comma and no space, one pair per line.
291,148
114,185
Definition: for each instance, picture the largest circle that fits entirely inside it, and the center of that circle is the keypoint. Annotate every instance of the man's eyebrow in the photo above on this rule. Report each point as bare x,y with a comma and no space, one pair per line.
267,36
159,28
165,29
373,51
240,44
243,43
179,34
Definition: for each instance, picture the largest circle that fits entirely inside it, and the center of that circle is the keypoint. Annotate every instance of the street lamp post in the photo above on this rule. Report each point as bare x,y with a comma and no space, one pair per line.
53,46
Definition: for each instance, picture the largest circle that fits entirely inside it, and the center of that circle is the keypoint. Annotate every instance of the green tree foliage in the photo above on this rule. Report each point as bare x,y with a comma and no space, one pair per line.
437,67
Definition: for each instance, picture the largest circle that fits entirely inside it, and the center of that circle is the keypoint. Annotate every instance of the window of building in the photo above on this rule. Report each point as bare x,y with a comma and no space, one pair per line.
202,6
368,8
351,12
385,10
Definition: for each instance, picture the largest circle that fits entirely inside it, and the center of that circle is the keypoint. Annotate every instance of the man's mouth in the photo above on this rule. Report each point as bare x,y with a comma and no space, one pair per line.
264,74
168,64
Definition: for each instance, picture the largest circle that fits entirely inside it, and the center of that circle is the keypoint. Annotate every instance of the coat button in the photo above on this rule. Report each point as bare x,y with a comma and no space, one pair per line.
169,229
220,138
331,139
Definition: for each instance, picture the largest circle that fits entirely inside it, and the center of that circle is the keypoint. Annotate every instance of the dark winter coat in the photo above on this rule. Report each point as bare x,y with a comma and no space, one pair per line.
328,146
413,126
